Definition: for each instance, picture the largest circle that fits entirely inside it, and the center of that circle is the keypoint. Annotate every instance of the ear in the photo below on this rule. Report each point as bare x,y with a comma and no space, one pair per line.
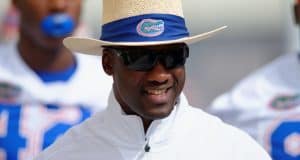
107,62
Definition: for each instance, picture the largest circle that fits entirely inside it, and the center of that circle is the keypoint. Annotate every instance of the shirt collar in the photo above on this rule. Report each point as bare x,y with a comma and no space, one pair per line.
128,129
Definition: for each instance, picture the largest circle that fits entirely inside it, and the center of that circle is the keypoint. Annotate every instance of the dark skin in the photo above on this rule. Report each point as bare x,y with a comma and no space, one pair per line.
37,50
297,12
150,95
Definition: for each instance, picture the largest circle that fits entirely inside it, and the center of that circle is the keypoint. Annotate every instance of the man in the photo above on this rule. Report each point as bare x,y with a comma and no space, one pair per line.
44,89
144,50
266,105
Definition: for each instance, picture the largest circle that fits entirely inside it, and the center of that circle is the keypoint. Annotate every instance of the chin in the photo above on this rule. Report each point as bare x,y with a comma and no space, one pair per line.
54,41
53,45
159,112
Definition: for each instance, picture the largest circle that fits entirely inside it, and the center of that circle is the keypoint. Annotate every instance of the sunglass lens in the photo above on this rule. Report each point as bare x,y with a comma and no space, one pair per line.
176,57
141,61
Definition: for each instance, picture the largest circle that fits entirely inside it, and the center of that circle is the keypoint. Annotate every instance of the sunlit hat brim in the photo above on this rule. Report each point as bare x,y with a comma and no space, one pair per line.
94,46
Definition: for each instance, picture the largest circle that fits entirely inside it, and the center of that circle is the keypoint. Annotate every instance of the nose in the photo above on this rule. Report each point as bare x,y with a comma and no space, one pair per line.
158,75
58,5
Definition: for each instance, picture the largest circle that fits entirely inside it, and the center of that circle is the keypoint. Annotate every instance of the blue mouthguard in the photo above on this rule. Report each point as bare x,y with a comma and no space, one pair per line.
58,25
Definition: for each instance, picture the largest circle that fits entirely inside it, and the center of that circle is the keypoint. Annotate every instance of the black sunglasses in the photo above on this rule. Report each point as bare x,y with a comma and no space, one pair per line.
144,59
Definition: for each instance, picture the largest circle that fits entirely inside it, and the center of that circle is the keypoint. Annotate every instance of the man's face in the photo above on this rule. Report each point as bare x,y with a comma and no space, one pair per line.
32,13
150,94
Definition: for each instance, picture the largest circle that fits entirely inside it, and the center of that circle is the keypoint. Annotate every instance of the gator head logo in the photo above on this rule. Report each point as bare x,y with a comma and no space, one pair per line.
9,92
150,27
284,102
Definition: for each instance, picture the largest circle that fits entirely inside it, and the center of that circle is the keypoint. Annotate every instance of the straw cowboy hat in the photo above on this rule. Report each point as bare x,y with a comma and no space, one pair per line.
138,23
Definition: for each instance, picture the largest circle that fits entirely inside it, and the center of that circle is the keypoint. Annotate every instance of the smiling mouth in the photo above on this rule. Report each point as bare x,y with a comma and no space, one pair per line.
158,91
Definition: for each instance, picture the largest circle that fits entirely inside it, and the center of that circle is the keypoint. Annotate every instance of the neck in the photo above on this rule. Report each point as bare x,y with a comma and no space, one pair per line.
146,124
42,58
128,111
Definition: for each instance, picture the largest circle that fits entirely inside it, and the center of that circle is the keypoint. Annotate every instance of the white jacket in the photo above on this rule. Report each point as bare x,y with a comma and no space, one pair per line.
186,134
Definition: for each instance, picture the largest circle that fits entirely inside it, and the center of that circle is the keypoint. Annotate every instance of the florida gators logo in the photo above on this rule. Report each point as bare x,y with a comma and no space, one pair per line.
284,102
150,27
9,92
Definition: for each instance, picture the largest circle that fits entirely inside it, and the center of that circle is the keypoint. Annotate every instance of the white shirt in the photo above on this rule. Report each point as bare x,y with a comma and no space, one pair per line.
266,104
33,113
187,133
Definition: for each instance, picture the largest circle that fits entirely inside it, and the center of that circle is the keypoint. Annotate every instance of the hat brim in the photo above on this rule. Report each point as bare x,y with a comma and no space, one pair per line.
94,46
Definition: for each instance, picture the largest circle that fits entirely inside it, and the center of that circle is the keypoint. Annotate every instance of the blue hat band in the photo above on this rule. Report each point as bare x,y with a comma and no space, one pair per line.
145,28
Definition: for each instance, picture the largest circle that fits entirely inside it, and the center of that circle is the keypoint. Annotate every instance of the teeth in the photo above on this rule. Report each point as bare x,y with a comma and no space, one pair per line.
156,92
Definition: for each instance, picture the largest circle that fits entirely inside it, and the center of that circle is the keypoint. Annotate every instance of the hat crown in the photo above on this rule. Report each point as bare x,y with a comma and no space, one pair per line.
138,23
118,9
